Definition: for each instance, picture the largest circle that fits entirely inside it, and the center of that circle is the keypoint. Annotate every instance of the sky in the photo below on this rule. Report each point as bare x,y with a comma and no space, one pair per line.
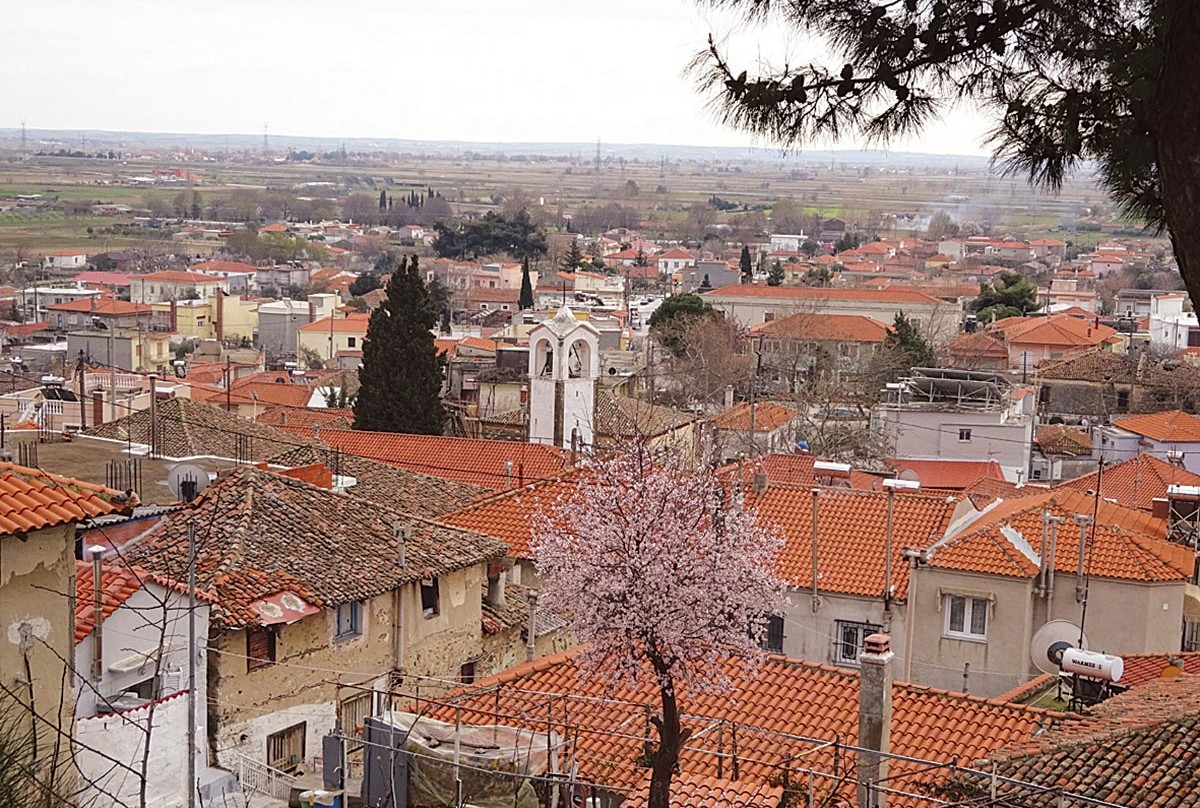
470,70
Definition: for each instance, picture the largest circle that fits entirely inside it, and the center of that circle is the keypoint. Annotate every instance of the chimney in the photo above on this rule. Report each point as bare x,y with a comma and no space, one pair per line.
174,315
312,311
495,585
760,482
728,396
97,613
97,407
874,718
402,532
220,318
531,632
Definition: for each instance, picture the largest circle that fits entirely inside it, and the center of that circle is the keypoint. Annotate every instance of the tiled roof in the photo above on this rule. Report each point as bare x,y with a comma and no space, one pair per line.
1055,330
1001,489
32,499
824,328
470,460
420,494
1143,668
260,533
118,583
1060,439
954,475
1136,482
1137,749
625,417
308,416
852,535
350,324
225,266
104,306
1125,543
508,516
173,276
799,469
514,614
691,790
815,293
977,344
1096,365
782,696
1173,426
191,429
767,416
674,252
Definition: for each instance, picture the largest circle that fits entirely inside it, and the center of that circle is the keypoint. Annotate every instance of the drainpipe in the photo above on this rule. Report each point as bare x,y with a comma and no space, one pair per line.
816,598
1083,520
97,615
1041,578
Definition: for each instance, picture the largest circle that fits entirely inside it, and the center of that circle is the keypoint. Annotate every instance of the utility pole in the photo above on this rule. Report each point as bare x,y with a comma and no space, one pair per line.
191,735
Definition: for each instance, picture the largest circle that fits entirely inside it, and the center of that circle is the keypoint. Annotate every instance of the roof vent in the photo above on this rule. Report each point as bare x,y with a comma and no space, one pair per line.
877,644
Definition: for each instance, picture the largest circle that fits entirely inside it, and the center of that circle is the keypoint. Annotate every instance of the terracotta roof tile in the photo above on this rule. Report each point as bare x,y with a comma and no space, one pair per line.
953,475
1096,365
1137,482
308,416
1060,439
32,499
767,416
852,535
1126,544
814,293
799,470
350,324
626,417
1058,330
780,697
105,306
1173,426
470,460
261,533
692,790
508,516
824,328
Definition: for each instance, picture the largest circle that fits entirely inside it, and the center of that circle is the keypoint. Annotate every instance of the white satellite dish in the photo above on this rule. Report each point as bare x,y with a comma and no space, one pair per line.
186,480
1051,641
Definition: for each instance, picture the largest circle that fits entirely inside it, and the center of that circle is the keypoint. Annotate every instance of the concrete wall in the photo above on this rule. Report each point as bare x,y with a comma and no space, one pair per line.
810,635
37,625
934,434
318,341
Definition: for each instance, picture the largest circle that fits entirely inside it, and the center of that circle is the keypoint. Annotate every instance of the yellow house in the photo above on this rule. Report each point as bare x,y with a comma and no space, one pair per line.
223,317
330,335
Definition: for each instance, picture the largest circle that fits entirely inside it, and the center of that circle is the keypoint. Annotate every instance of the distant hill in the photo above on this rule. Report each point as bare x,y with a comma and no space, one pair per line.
646,152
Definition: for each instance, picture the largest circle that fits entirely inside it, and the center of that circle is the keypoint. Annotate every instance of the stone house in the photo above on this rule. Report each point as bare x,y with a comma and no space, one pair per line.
322,601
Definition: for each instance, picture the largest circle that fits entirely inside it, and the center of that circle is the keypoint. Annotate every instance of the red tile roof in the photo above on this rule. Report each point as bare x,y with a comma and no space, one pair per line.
1136,482
798,469
105,306
306,417
468,460
1143,668
674,253
350,324
824,328
225,266
509,515
1125,544
118,583
1060,439
692,790
32,499
172,276
767,416
1058,330
95,277
852,535
778,699
953,475
1173,426
813,293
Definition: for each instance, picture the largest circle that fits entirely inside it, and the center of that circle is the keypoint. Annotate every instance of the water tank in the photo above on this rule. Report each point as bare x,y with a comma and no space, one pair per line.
1093,665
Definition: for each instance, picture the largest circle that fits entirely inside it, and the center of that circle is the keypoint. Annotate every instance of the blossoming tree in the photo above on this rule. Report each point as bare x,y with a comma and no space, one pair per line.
663,575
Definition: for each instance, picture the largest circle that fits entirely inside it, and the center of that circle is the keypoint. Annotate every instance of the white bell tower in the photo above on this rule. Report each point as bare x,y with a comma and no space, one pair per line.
564,364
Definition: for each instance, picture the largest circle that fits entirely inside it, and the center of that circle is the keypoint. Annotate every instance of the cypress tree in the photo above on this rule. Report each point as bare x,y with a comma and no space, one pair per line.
746,265
383,200
526,300
401,374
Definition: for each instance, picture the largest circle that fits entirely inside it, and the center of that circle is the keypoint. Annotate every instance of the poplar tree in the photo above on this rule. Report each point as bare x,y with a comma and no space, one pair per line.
526,299
401,374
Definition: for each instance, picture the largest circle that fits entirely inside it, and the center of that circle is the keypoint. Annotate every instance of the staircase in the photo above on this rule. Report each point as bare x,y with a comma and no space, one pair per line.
256,777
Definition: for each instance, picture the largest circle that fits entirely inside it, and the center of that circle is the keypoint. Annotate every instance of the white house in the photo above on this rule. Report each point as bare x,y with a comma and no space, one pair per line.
1173,436
64,259
1170,326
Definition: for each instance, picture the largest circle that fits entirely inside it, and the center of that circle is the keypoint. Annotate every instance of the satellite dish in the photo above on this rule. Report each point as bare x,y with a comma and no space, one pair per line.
1051,641
910,475
186,480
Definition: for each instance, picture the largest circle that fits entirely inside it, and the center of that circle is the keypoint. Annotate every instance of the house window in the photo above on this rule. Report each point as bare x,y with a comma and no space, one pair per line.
850,638
966,617
772,641
349,620
260,647
430,597
350,341
964,436
285,749
352,712
1122,399
768,316
466,673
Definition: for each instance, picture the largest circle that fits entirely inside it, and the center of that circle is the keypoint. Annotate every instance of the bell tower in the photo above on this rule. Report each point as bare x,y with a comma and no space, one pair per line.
564,364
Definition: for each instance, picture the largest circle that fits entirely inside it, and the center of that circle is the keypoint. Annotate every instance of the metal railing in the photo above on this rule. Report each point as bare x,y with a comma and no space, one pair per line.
259,778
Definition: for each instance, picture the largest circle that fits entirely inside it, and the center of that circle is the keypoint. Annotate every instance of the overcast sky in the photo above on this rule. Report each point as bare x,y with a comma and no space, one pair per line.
482,70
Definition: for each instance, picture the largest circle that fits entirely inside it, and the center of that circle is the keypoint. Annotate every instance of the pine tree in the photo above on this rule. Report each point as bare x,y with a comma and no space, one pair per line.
775,276
401,374
526,299
908,344
746,265
573,260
